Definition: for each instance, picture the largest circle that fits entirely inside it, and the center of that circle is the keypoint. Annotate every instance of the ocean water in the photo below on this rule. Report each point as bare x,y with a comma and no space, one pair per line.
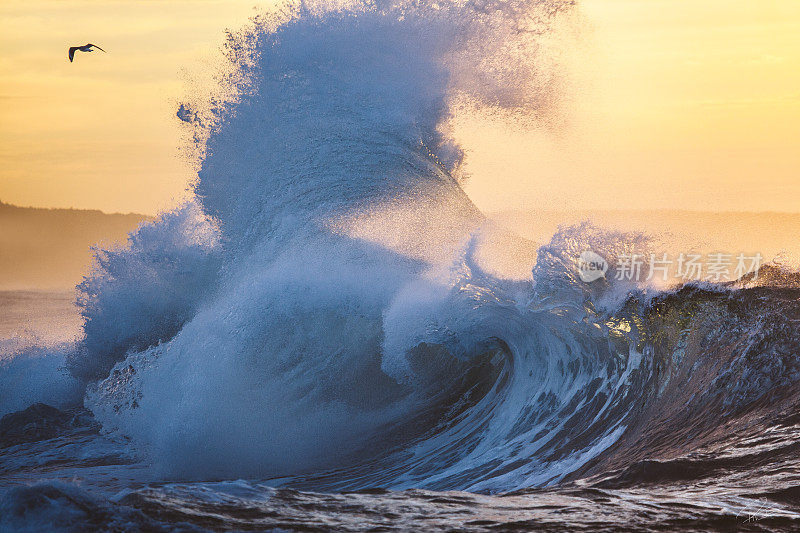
331,336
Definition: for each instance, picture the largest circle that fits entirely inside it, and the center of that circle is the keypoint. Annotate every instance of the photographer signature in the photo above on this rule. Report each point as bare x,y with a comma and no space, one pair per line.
757,510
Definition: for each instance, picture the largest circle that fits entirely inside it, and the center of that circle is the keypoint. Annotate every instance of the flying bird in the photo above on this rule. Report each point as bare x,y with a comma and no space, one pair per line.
85,48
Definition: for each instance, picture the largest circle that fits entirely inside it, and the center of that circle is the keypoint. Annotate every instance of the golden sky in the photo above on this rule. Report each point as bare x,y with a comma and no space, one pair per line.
670,103
101,132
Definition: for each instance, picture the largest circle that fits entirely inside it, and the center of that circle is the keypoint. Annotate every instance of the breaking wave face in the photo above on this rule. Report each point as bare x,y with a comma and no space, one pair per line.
328,309
320,305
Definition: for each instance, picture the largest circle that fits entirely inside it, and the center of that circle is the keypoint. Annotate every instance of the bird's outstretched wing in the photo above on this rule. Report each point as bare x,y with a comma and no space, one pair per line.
72,52
95,46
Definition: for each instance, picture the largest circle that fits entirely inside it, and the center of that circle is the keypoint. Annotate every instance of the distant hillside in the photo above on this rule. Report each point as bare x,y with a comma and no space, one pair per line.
49,248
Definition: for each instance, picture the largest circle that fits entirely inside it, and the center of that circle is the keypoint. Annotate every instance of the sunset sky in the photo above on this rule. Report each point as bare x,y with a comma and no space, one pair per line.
670,104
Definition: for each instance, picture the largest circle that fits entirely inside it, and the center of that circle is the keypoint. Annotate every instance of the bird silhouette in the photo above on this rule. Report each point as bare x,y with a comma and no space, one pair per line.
85,48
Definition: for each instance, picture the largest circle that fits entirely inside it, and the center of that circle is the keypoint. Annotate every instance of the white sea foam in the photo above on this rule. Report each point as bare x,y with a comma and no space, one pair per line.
323,302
